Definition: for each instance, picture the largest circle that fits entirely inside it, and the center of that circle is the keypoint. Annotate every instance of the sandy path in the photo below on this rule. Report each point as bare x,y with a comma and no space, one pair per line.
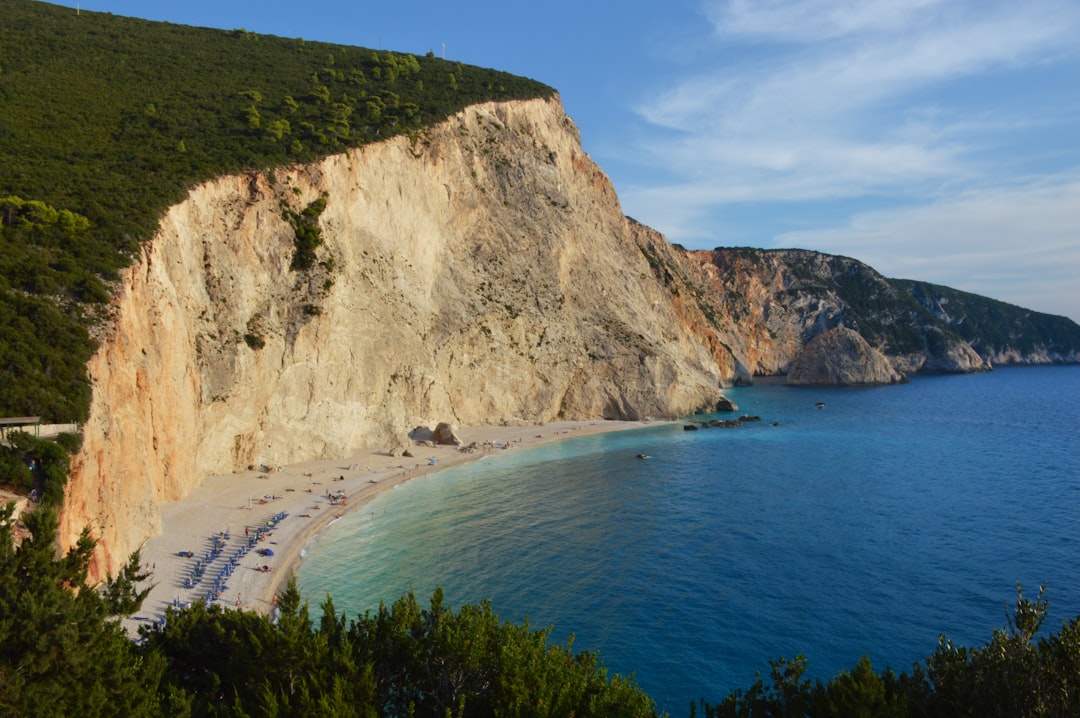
240,505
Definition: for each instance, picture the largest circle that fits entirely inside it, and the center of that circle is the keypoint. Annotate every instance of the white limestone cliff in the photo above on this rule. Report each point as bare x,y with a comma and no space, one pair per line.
478,273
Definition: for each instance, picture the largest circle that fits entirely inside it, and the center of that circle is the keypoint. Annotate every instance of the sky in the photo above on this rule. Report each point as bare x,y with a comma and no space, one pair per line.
936,140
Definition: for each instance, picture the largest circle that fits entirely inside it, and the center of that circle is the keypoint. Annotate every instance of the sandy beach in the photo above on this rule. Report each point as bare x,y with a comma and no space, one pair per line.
237,538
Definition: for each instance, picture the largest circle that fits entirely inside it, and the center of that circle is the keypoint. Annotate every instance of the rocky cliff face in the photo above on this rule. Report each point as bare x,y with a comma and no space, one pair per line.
767,305
481,273
841,357
1001,333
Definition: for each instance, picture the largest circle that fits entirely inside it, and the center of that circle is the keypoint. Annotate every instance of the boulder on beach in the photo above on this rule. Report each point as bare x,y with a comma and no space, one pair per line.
399,444
421,434
446,434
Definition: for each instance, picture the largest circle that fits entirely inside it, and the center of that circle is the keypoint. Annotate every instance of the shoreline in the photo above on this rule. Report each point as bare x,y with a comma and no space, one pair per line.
219,521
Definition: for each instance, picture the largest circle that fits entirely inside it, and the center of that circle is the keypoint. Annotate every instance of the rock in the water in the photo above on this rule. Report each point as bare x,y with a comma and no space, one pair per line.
841,357
446,434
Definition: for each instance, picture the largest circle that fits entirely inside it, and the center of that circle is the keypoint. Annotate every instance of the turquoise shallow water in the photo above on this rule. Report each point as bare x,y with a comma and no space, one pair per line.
870,526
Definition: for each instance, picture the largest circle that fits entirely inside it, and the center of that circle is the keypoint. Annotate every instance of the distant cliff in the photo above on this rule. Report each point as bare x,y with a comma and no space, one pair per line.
766,305
480,272
1001,333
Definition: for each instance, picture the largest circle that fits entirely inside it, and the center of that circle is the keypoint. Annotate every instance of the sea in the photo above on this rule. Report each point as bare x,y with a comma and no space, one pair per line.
847,521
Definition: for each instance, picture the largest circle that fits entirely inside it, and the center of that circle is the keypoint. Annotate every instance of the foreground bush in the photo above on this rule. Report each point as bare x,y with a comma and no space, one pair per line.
1012,676
400,661
63,652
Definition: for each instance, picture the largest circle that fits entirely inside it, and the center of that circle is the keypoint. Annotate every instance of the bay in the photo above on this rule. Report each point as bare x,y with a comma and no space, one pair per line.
871,525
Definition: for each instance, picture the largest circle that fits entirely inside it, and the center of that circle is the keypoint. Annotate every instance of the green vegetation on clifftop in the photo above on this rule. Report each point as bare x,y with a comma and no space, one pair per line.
107,121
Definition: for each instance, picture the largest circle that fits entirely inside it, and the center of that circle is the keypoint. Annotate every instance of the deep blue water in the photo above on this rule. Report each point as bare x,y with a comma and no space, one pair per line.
870,526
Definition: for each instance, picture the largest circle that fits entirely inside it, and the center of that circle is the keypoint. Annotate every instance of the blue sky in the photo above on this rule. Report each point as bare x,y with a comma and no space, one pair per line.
932,139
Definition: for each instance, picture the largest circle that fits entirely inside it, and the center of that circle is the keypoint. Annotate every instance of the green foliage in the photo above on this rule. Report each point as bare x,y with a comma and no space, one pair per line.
49,251
48,264
254,341
436,662
307,233
14,472
107,121
992,326
401,661
43,354
788,694
122,594
71,441
862,692
60,653
50,460
1012,676
883,316
238,663
63,653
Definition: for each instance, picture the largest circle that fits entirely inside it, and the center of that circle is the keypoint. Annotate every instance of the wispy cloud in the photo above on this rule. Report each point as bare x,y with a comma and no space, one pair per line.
917,102
835,94
980,241
812,20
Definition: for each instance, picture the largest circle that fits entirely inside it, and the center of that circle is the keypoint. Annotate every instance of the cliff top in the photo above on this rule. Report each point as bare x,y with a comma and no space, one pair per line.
110,120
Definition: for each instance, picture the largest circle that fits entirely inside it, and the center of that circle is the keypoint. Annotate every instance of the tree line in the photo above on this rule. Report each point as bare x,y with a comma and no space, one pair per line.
64,652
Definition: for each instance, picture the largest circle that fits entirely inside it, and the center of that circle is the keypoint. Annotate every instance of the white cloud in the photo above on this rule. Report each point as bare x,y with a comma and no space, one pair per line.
844,108
925,104
829,79
1021,245
811,20
787,170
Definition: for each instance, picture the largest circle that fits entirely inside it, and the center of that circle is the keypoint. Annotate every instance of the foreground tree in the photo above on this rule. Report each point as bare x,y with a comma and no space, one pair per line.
436,662
401,661
237,663
62,650
1012,676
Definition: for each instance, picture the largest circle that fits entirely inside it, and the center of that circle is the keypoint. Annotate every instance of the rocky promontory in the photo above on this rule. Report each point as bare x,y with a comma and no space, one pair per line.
841,357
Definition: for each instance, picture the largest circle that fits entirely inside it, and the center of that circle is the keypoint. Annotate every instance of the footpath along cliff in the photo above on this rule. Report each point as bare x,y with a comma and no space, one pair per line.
480,272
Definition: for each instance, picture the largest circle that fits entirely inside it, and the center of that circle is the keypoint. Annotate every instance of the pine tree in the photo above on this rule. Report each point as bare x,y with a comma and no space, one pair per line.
62,651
